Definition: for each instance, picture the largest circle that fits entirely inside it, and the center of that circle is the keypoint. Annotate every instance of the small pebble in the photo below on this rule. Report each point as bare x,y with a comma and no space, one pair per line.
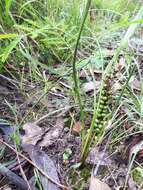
66,129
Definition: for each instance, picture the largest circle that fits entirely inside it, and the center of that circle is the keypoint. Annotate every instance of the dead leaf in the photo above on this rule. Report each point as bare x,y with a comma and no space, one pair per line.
77,127
89,86
132,185
136,84
4,91
32,133
96,184
95,156
43,161
121,64
136,149
53,134
6,187
6,129
117,86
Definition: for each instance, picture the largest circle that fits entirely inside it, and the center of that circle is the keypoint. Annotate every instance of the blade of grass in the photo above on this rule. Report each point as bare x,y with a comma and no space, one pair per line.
7,36
7,6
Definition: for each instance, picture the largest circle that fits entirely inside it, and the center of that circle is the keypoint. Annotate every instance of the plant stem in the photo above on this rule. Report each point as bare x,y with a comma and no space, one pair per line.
108,69
75,77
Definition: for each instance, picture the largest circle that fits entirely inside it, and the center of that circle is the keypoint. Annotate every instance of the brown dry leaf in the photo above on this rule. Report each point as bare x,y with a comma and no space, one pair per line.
132,185
117,86
43,161
95,156
135,148
136,84
77,127
53,134
89,86
32,134
121,64
96,184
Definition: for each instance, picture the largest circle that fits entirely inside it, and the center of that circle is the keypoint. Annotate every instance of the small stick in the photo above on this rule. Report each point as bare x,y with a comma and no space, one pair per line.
15,165
21,169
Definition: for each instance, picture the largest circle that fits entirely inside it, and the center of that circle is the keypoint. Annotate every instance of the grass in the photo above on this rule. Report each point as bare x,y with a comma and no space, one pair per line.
39,39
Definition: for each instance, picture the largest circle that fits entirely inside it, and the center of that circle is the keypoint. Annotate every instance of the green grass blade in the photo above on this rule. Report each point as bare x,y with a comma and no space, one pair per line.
7,6
75,78
7,36
9,49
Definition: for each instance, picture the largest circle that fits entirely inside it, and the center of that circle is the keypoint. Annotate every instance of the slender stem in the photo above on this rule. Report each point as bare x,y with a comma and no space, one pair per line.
75,77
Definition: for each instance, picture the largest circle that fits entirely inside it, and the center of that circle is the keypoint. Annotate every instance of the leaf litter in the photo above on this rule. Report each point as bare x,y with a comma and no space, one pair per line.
96,184
60,141
43,161
56,142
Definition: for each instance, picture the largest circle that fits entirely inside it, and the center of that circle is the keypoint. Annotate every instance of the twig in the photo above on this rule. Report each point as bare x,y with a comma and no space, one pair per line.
18,181
21,169
52,113
33,164
15,165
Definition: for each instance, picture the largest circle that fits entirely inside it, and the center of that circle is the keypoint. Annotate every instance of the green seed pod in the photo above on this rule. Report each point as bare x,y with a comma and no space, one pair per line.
105,111
109,97
109,92
97,121
103,114
103,92
95,125
104,98
105,107
101,106
100,126
97,131
102,123
99,110
102,102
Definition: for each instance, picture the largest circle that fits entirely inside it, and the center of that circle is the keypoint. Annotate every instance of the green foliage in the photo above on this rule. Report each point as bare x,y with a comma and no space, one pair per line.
50,29
67,154
38,34
137,175
9,49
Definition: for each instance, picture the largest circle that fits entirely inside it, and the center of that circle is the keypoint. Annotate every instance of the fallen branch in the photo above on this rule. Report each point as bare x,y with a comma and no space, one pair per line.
15,179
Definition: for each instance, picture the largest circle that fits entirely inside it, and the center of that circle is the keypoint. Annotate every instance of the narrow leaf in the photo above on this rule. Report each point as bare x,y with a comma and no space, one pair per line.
9,49
7,6
6,36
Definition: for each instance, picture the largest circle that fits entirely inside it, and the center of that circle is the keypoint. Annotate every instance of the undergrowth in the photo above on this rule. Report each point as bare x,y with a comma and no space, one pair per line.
63,39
